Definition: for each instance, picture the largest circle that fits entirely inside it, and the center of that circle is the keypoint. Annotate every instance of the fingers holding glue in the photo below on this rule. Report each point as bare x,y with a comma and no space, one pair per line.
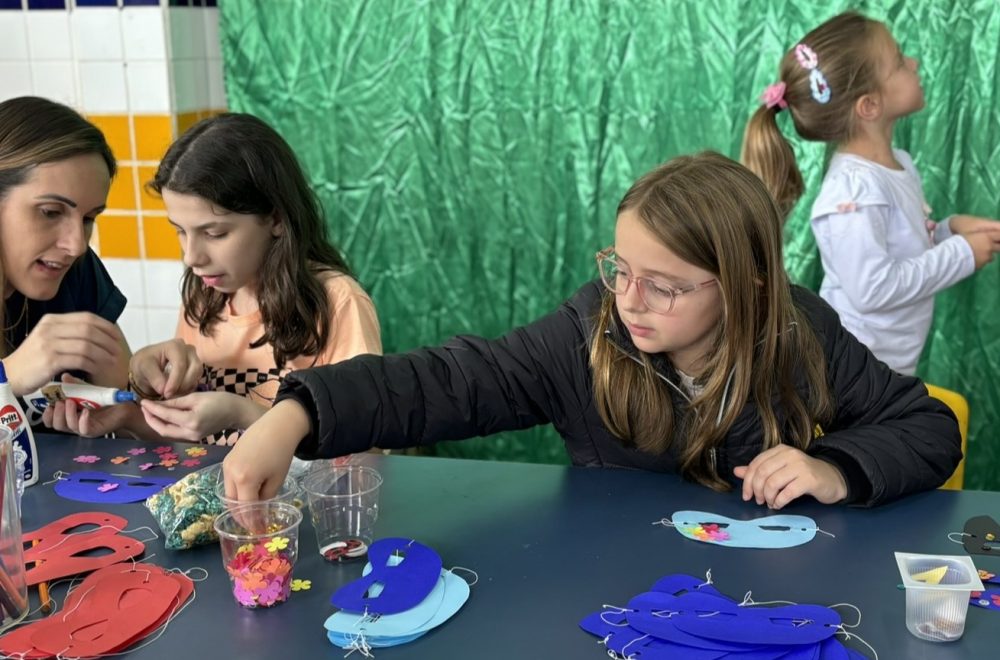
68,416
166,370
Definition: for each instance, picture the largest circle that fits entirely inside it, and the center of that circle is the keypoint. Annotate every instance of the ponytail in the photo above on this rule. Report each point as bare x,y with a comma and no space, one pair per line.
769,155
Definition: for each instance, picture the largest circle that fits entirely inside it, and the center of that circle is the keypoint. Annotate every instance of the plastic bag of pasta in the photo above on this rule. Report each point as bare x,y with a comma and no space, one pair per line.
186,511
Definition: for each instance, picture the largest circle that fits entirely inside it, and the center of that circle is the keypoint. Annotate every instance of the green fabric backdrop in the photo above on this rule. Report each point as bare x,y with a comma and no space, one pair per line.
470,155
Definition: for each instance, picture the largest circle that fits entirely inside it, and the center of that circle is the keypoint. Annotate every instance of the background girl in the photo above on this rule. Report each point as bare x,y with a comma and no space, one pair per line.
692,353
847,83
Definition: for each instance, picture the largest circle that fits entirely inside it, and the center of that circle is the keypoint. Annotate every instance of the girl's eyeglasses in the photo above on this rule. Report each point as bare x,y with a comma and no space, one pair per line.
657,296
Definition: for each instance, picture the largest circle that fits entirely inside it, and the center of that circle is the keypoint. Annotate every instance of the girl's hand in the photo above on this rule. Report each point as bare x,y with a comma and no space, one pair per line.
970,224
984,245
168,369
194,416
79,341
67,416
783,473
256,467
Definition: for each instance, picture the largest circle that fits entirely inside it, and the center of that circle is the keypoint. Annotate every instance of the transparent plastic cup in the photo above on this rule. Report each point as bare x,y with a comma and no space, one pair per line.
937,594
260,545
289,493
13,583
343,506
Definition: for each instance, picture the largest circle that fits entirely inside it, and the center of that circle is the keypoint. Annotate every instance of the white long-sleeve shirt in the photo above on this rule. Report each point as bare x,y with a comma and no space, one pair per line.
882,264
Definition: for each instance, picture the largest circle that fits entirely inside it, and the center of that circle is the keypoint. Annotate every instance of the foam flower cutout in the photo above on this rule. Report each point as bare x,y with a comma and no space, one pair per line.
106,487
168,463
163,449
191,462
301,585
196,451
277,543
168,456
87,458
138,451
244,596
118,460
146,466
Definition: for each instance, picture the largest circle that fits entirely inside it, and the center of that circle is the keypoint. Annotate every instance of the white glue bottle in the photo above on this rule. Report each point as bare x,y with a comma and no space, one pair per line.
13,418
93,397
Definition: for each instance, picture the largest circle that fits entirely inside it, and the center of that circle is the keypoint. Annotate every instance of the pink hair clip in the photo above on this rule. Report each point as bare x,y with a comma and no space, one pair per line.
774,95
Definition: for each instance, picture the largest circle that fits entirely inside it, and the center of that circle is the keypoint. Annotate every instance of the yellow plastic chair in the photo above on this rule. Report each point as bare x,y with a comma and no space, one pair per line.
960,407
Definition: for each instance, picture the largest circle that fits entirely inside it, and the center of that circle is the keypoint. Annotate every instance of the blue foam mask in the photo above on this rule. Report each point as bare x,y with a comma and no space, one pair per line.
403,573
105,488
781,531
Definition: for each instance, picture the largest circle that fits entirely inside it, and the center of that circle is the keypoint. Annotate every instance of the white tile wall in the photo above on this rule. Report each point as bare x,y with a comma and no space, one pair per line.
127,274
216,86
133,325
213,44
97,33
14,42
55,80
102,87
187,33
49,35
163,283
148,87
161,324
15,79
144,34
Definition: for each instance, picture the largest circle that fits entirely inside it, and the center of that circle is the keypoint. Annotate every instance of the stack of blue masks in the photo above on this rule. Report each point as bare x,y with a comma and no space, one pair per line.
684,617
403,593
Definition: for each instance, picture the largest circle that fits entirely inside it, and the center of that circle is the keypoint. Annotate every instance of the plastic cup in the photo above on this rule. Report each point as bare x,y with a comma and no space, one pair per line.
289,493
13,582
260,543
937,594
343,505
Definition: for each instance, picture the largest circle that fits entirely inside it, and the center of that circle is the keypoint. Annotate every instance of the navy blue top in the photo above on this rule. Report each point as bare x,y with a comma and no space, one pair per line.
87,287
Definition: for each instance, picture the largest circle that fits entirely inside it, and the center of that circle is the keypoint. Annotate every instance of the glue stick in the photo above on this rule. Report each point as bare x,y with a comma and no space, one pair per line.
92,397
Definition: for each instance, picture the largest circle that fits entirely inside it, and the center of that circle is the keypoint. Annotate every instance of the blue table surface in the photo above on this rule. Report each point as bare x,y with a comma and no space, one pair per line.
550,544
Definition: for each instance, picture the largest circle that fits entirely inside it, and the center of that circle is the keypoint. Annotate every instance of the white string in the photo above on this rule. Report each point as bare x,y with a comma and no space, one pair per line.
833,536
359,644
960,534
637,639
855,608
454,568
708,579
849,635
615,610
666,522
58,475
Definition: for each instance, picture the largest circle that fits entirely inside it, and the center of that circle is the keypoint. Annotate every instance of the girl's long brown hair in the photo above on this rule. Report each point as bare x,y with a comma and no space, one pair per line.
845,48
716,214
36,131
240,164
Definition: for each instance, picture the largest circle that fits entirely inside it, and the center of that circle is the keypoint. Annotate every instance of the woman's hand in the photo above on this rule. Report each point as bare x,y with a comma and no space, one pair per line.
79,341
256,467
67,416
200,414
783,473
168,369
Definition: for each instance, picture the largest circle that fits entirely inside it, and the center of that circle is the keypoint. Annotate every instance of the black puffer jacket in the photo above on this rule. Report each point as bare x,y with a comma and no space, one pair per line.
888,436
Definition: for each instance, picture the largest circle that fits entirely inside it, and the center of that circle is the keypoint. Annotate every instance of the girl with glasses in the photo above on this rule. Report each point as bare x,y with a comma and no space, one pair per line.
691,353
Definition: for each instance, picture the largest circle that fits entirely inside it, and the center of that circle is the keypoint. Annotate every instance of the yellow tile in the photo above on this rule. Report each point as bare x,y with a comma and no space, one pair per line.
122,194
115,129
186,120
119,236
160,239
148,201
153,134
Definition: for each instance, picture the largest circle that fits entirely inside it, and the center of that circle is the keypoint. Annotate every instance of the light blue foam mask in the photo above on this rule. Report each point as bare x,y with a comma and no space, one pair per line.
781,531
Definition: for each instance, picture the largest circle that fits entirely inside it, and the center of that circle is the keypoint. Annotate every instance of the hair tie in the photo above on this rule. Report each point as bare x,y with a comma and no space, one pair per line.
774,95
818,85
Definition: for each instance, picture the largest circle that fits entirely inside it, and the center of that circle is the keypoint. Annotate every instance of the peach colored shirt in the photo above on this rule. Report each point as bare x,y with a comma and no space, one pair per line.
232,366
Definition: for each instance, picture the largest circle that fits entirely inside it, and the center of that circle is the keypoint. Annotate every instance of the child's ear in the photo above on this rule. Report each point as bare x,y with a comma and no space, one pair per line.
277,226
868,107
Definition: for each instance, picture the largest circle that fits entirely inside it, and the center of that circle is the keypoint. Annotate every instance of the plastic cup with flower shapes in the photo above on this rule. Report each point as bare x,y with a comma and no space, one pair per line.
289,493
937,594
260,543
343,506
